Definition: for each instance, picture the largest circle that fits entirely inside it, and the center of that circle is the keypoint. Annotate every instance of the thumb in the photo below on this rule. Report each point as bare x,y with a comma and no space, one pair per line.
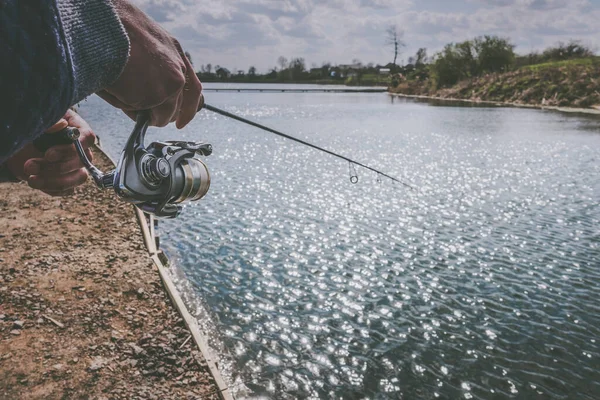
57,127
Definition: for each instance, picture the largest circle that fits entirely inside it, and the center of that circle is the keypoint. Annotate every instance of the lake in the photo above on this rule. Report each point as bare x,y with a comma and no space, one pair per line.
484,283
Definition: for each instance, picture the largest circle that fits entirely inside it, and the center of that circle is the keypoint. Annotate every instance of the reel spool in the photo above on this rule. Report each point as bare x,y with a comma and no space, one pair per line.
157,178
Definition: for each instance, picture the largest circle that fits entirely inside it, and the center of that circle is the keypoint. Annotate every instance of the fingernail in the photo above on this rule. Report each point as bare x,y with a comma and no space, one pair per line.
31,168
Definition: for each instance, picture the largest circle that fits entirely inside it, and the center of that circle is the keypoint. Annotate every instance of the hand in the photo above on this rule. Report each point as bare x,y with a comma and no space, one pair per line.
157,77
59,170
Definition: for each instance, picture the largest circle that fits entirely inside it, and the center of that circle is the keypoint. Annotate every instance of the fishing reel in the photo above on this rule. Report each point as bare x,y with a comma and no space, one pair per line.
157,178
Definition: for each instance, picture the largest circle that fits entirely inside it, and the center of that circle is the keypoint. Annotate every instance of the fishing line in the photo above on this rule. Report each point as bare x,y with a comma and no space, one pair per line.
353,175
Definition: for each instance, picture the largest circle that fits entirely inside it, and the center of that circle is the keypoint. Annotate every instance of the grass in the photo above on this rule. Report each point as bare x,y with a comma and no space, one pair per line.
590,61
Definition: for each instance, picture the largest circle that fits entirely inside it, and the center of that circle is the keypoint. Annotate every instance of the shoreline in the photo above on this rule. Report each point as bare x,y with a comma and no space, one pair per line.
591,111
84,312
321,83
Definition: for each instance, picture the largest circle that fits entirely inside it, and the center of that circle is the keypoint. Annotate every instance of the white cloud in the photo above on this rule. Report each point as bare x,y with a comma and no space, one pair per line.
240,33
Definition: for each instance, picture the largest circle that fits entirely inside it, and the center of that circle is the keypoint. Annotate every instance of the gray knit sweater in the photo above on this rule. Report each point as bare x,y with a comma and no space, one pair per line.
54,54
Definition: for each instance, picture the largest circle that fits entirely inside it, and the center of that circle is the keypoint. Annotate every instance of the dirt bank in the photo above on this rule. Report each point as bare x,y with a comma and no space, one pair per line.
451,100
83,313
565,84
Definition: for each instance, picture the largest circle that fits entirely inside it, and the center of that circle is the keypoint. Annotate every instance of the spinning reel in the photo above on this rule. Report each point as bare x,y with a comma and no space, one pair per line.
156,178
159,177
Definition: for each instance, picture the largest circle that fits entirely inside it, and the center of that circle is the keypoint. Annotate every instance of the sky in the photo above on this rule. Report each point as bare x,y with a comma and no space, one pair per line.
238,34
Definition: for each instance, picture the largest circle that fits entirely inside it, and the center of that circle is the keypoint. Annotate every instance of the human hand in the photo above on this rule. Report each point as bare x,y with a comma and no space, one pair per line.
157,77
59,170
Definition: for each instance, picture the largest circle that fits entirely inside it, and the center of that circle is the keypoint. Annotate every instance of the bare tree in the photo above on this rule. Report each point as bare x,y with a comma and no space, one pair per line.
421,57
394,39
283,62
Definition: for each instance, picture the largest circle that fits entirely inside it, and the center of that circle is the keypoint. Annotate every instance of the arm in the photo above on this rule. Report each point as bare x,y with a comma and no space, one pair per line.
54,53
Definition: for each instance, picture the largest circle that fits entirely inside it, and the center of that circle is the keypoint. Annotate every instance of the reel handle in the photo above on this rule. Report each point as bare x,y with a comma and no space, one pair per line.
101,179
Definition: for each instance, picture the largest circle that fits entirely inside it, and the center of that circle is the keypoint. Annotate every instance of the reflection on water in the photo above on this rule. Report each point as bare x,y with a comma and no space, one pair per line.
482,285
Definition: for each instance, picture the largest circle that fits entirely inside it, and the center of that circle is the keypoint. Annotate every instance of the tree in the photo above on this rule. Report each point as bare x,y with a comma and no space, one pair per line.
573,49
420,57
297,67
466,59
456,62
471,58
272,73
283,62
208,68
494,54
252,71
394,39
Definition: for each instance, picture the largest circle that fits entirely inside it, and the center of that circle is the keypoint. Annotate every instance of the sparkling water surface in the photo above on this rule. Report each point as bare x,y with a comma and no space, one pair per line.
484,283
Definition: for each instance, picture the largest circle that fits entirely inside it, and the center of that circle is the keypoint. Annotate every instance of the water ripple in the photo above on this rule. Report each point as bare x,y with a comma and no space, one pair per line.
482,285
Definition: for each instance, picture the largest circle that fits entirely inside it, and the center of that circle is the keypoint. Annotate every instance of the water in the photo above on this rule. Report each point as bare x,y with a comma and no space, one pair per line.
482,285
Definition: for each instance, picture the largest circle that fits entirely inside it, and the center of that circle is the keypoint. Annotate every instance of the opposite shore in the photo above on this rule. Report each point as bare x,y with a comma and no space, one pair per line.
593,110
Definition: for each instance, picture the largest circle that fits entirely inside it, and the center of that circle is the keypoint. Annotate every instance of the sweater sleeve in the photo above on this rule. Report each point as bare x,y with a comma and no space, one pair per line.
98,44
54,53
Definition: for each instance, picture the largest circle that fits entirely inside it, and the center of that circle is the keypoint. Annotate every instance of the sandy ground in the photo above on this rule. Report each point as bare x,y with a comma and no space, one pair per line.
83,313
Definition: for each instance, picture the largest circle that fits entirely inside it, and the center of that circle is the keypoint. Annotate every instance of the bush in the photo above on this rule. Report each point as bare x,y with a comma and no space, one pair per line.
470,59
570,51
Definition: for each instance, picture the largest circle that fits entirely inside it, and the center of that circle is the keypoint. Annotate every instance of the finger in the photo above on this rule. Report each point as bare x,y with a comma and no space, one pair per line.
163,114
33,166
67,151
76,121
41,166
191,96
57,127
49,170
60,183
177,108
113,101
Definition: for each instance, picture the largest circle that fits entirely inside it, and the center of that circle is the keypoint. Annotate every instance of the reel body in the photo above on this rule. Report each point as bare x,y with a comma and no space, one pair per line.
156,178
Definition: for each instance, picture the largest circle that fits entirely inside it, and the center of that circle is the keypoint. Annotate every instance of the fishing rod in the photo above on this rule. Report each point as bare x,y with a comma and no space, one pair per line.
159,177
353,178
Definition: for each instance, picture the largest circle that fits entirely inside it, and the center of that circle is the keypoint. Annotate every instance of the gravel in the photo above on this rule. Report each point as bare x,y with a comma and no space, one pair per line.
83,313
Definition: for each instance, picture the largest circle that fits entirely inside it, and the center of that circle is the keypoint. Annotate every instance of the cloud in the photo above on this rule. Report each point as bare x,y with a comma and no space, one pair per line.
240,33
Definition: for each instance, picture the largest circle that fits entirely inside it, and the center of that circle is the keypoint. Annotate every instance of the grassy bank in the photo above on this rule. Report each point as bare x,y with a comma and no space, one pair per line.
569,83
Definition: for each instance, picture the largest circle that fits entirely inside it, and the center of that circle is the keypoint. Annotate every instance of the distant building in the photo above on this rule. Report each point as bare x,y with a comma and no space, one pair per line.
223,73
351,67
384,71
